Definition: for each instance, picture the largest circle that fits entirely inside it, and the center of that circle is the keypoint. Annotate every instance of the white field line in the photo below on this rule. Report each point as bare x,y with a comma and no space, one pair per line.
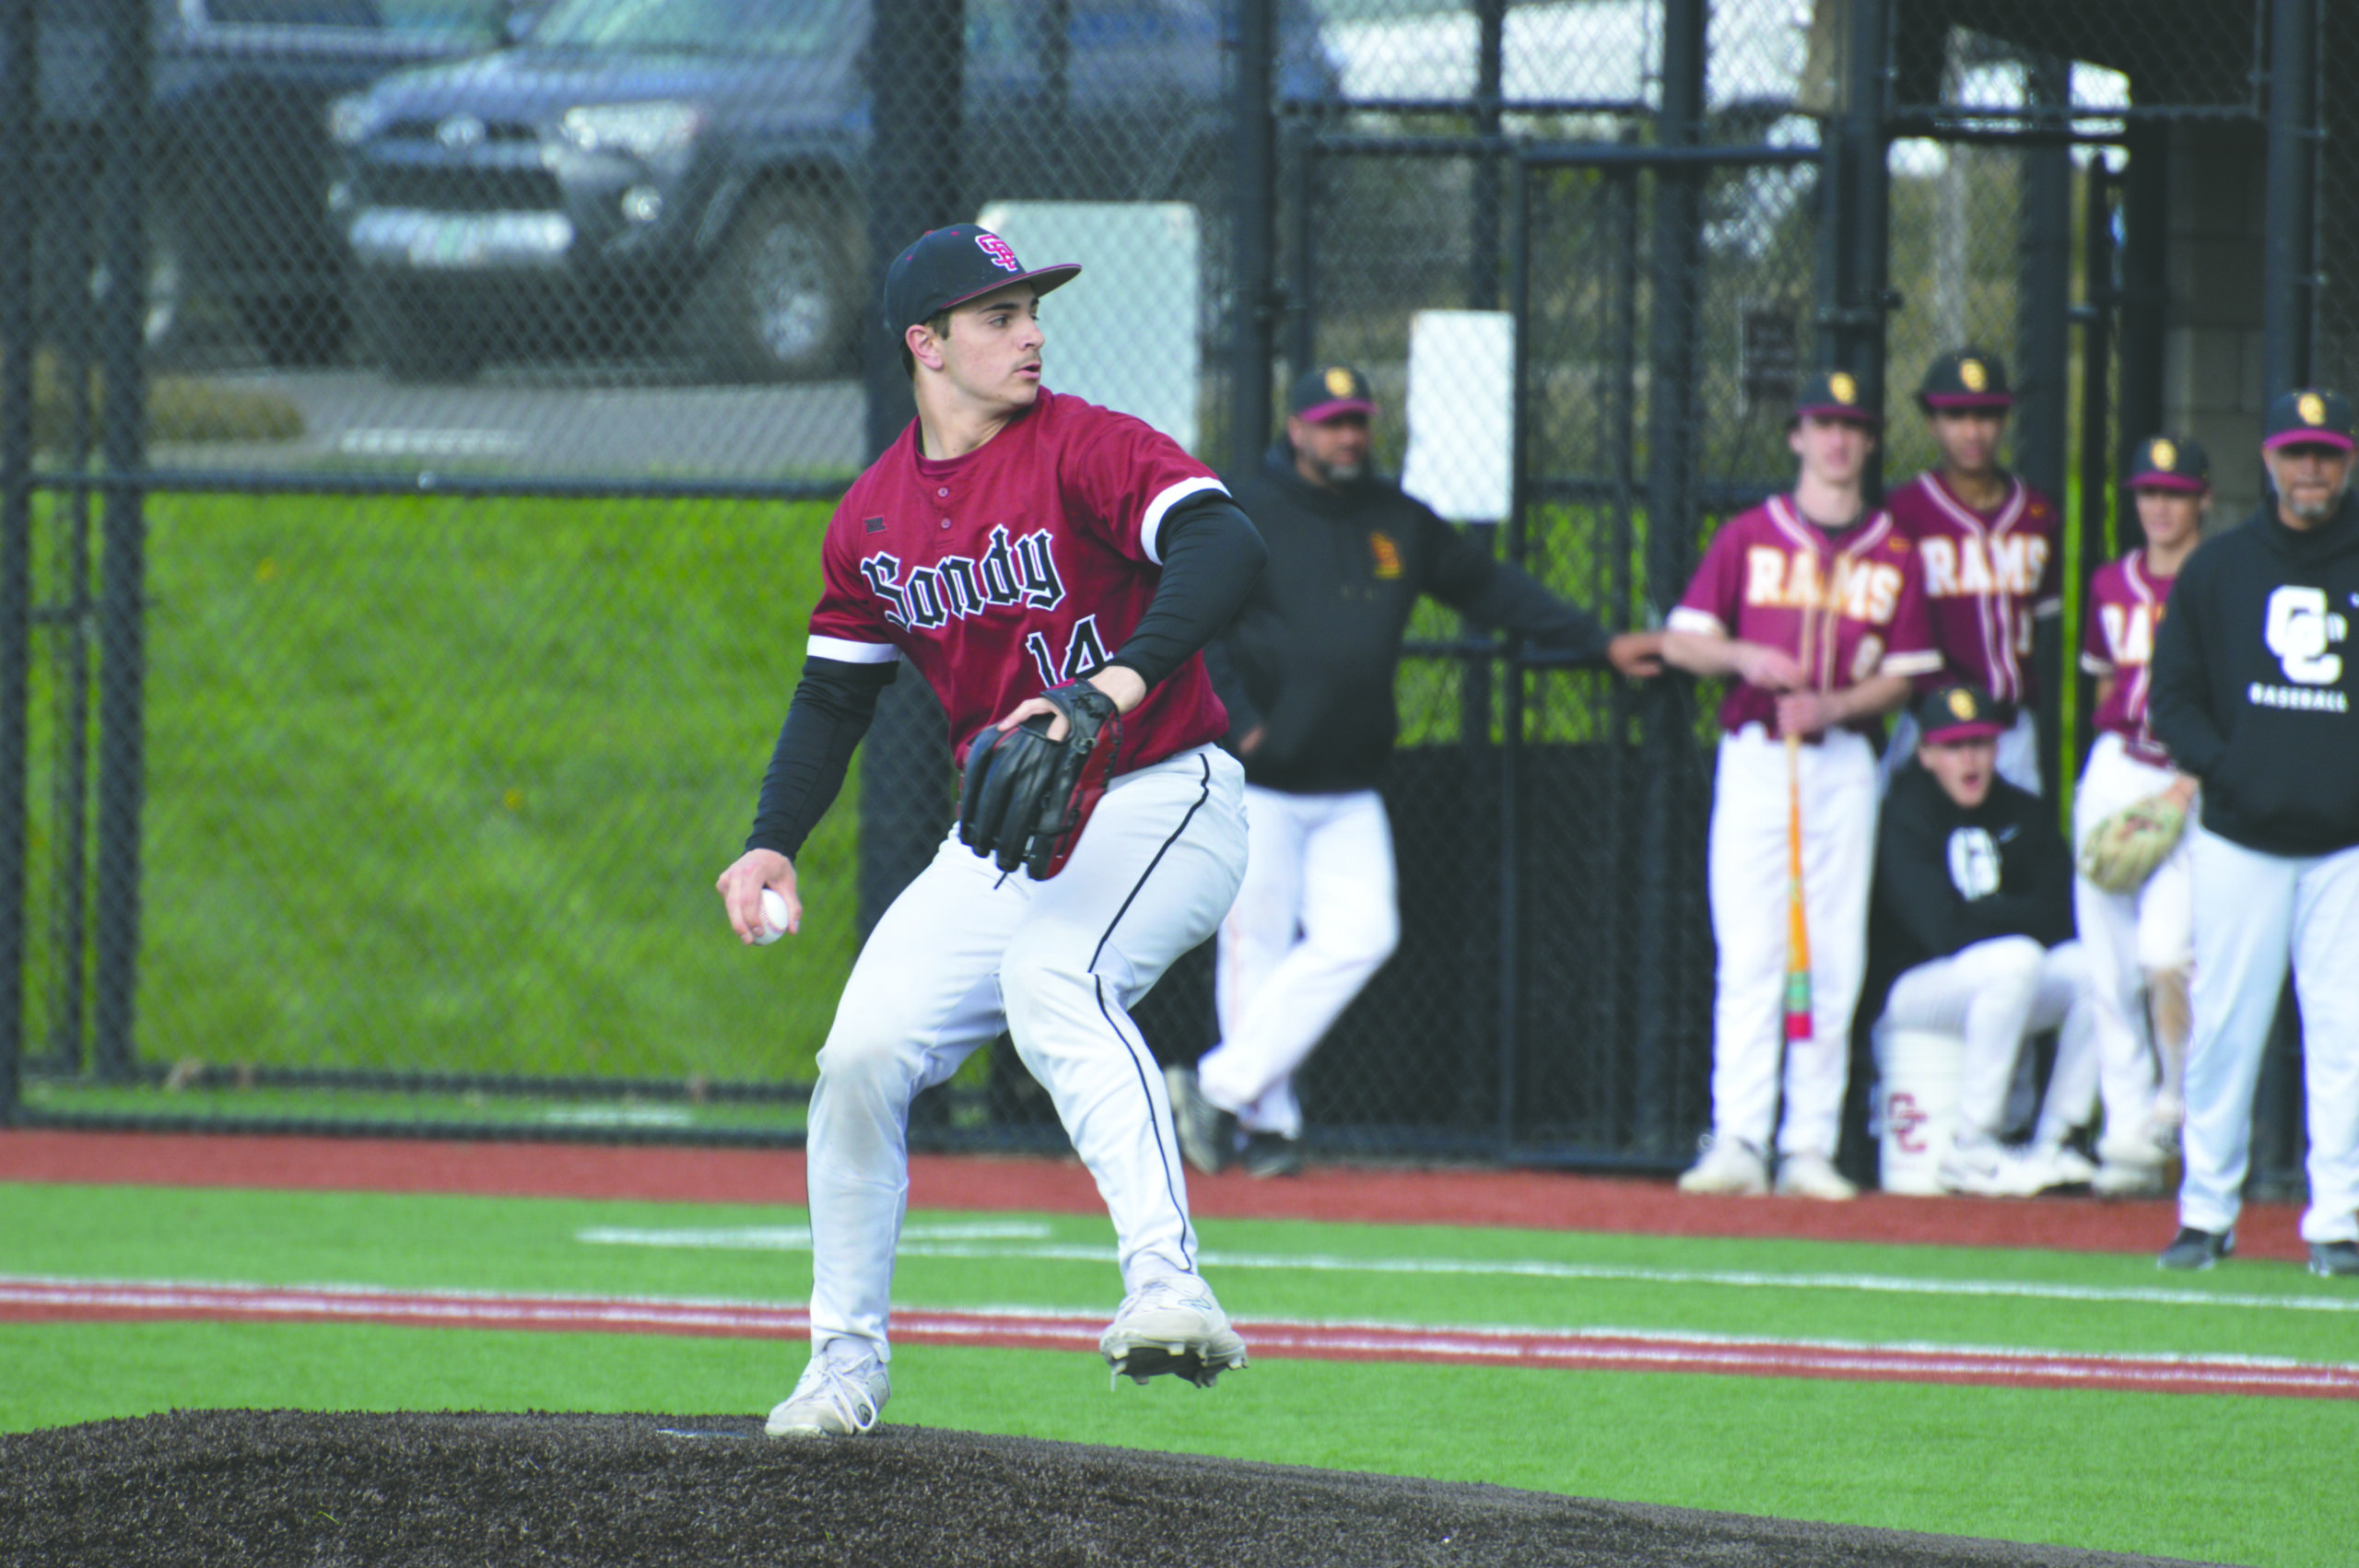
798,1239
1594,1346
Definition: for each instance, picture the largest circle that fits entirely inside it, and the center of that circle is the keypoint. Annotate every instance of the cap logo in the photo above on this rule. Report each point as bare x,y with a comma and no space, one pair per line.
2313,409
1971,373
2164,455
1339,381
1843,387
999,252
1961,705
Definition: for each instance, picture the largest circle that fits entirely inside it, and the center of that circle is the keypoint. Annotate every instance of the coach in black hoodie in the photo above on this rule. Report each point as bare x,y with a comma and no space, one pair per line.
2256,691
1307,672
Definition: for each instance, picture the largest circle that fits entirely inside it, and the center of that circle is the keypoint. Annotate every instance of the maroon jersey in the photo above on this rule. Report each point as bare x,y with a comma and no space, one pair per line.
1846,605
1987,576
1024,563
2125,612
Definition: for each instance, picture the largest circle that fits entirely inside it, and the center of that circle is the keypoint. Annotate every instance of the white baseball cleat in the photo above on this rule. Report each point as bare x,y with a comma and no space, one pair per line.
1813,1175
1731,1168
1207,1133
1985,1168
841,1394
2067,1164
1171,1324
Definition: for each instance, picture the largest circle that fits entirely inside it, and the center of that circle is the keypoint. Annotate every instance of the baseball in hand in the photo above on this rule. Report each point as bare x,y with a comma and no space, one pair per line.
773,924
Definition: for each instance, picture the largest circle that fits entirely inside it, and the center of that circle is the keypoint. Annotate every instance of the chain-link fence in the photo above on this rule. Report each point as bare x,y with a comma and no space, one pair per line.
433,405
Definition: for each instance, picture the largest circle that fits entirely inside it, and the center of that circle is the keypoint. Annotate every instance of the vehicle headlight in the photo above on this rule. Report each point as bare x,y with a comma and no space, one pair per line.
351,120
643,130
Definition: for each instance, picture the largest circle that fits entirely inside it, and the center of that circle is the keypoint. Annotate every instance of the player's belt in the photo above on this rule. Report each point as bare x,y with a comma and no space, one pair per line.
1760,730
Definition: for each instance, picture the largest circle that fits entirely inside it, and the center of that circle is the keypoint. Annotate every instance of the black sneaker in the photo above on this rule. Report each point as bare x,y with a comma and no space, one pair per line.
2335,1259
2201,1249
1271,1154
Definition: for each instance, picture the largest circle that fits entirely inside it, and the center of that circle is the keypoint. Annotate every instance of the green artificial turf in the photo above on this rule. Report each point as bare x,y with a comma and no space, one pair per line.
2221,1479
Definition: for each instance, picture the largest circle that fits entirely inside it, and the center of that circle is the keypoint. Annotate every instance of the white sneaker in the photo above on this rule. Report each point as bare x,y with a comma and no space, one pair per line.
1813,1175
1730,1167
2066,1165
1982,1168
841,1394
1173,1325
2128,1178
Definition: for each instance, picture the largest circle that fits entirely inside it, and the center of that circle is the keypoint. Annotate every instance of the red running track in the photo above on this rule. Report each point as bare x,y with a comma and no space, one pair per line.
40,1301
1535,1199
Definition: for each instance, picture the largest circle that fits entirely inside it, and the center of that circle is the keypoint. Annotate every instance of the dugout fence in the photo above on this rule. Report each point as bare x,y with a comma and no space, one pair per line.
412,458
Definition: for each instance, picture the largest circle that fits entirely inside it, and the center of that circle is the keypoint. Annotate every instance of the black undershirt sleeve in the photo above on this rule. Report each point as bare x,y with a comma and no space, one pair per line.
832,706
1212,556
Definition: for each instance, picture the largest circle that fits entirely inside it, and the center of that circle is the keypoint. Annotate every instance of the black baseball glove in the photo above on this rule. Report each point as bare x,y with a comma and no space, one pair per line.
1025,798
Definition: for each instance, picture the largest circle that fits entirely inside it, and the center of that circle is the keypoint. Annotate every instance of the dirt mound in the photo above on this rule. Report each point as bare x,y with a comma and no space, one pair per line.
233,1487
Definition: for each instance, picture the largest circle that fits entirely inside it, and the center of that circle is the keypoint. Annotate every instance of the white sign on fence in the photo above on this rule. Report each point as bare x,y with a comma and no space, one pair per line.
1462,414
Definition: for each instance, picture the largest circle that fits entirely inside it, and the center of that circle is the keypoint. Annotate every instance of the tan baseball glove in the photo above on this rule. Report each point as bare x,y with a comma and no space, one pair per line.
2123,850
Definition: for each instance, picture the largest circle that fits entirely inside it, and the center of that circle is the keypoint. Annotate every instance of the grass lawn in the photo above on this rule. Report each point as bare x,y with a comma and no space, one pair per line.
2215,1478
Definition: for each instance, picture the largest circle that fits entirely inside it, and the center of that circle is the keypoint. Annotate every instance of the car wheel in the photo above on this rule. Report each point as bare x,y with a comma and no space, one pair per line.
297,331
780,299
412,338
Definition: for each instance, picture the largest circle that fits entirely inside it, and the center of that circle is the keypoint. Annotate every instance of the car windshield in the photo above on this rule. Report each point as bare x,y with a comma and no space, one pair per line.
692,26
481,18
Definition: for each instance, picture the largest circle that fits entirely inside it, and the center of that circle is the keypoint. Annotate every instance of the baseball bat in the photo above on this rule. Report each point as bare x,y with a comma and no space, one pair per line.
1797,1006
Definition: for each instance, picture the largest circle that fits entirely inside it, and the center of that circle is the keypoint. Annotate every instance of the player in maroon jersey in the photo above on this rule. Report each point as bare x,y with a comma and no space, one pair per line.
1810,605
1012,540
1986,543
2141,943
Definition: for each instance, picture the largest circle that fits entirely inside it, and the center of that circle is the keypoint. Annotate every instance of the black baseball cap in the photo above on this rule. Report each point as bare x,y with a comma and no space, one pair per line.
1832,394
1949,713
1330,392
2164,462
1966,378
945,267
2311,417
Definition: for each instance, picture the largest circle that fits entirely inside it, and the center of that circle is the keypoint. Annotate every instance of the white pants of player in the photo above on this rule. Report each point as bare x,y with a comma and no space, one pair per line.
1318,916
1992,995
967,951
2128,936
1746,866
2018,760
2254,913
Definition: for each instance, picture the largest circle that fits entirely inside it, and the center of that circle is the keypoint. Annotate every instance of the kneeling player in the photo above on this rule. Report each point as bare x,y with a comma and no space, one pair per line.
1973,924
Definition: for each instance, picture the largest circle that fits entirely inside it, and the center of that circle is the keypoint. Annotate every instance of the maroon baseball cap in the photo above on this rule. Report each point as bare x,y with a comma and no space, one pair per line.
944,268
1949,713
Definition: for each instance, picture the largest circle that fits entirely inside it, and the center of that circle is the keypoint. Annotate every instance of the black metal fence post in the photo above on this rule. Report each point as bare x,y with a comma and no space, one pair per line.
2097,446
2041,423
2145,297
1863,294
123,644
1253,325
915,62
2289,282
18,69
1666,732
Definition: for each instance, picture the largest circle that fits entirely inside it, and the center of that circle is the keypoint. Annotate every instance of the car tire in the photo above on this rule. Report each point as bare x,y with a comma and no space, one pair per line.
411,338
299,331
781,301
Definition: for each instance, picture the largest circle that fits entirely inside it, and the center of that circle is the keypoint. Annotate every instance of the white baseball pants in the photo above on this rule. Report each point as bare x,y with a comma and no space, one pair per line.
2128,936
1317,917
2018,759
1991,995
2254,914
1746,866
967,951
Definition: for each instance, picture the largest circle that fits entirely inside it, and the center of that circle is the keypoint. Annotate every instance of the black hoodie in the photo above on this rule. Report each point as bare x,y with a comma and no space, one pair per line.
2256,682
1310,659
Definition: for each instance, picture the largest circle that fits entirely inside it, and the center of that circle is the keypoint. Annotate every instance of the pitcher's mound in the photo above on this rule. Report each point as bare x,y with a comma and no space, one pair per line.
712,1492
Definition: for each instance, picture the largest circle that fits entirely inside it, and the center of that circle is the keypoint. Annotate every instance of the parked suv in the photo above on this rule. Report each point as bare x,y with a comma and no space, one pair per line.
237,220
686,174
